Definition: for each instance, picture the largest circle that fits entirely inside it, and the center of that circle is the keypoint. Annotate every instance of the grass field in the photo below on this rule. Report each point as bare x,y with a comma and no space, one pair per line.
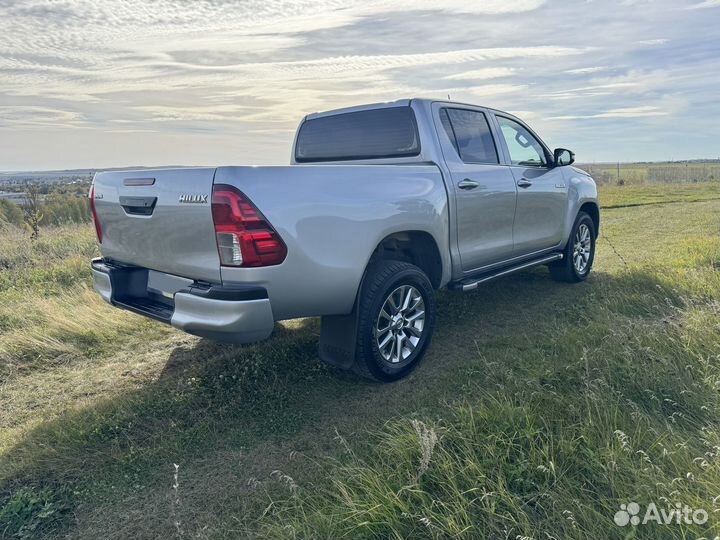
540,408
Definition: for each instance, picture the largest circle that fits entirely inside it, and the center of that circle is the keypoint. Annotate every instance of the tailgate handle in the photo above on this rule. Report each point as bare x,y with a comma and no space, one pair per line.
138,206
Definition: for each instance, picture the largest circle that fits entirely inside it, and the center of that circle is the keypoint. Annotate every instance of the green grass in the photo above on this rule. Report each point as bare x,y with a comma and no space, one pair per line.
633,195
549,404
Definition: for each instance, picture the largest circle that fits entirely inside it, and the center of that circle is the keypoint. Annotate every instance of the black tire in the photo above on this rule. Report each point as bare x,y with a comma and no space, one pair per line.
382,279
565,269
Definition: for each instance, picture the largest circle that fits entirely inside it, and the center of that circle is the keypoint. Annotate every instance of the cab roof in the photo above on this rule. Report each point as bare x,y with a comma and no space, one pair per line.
396,103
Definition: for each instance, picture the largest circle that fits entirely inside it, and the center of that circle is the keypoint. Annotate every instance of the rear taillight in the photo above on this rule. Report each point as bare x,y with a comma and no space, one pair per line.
93,213
244,236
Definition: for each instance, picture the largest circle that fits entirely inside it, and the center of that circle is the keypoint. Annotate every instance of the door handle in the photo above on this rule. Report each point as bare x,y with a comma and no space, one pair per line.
524,182
468,184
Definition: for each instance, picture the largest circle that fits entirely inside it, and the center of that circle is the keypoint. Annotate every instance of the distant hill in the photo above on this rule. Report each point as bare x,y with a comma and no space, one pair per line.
63,176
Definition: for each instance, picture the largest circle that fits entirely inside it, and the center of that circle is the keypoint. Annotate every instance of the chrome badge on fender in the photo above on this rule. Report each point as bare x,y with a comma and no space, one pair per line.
189,198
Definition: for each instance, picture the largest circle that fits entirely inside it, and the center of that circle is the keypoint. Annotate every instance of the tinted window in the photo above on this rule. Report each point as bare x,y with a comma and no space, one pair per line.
524,148
470,133
371,134
445,120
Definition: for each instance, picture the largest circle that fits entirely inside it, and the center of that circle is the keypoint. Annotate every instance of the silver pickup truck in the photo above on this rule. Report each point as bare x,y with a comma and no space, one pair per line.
382,205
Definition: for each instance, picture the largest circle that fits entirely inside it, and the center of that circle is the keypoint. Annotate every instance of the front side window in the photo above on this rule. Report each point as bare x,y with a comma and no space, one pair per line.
525,150
470,134
371,134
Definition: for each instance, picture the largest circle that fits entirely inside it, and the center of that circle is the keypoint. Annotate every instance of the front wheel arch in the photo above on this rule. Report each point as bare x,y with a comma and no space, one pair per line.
592,209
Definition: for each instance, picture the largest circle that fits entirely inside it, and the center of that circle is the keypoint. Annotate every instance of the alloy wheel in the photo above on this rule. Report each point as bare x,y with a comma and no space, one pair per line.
400,324
581,248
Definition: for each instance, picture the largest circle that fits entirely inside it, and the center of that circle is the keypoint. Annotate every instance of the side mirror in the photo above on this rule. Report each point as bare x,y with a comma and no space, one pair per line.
563,156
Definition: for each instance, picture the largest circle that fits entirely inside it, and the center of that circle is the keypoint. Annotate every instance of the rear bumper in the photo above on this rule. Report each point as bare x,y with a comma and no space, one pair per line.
233,314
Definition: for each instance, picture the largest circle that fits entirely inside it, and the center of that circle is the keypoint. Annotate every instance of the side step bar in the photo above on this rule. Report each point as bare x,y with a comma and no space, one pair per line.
472,283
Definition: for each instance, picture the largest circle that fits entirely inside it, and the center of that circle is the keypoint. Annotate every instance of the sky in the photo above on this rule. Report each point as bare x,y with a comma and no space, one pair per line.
103,83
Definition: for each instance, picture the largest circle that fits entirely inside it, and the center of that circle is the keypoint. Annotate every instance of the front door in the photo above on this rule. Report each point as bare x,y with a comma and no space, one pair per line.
484,190
542,190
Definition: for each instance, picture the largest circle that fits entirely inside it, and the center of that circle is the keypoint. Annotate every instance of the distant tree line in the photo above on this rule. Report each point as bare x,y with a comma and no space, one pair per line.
54,209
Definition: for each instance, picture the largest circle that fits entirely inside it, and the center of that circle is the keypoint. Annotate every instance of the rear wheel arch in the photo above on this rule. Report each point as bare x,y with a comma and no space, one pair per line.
361,340
341,336
416,247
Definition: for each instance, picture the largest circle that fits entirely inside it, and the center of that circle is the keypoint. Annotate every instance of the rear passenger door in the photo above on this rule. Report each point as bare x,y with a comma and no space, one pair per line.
484,190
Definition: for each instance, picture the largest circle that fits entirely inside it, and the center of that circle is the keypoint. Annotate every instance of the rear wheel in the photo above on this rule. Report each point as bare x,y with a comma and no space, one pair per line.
396,319
579,253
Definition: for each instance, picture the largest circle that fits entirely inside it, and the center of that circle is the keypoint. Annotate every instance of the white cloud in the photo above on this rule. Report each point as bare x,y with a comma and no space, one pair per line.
706,4
626,112
658,41
484,7
221,112
38,116
586,70
483,73
279,85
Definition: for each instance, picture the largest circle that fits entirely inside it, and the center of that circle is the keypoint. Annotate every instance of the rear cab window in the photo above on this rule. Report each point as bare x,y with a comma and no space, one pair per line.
389,132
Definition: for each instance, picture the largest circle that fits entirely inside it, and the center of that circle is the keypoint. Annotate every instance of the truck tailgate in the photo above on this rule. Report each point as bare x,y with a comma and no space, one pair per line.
159,219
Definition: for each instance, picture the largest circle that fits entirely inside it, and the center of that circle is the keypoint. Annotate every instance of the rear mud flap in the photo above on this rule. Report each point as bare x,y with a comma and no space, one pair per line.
338,339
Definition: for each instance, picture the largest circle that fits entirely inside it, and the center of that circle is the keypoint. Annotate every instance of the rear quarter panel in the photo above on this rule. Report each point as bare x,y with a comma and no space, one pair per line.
332,218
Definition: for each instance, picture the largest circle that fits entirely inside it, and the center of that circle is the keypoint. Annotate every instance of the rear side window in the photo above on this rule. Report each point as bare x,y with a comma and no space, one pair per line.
470,134
371,134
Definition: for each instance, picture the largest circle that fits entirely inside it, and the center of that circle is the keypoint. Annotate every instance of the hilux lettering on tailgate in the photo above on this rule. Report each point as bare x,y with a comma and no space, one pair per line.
190,198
